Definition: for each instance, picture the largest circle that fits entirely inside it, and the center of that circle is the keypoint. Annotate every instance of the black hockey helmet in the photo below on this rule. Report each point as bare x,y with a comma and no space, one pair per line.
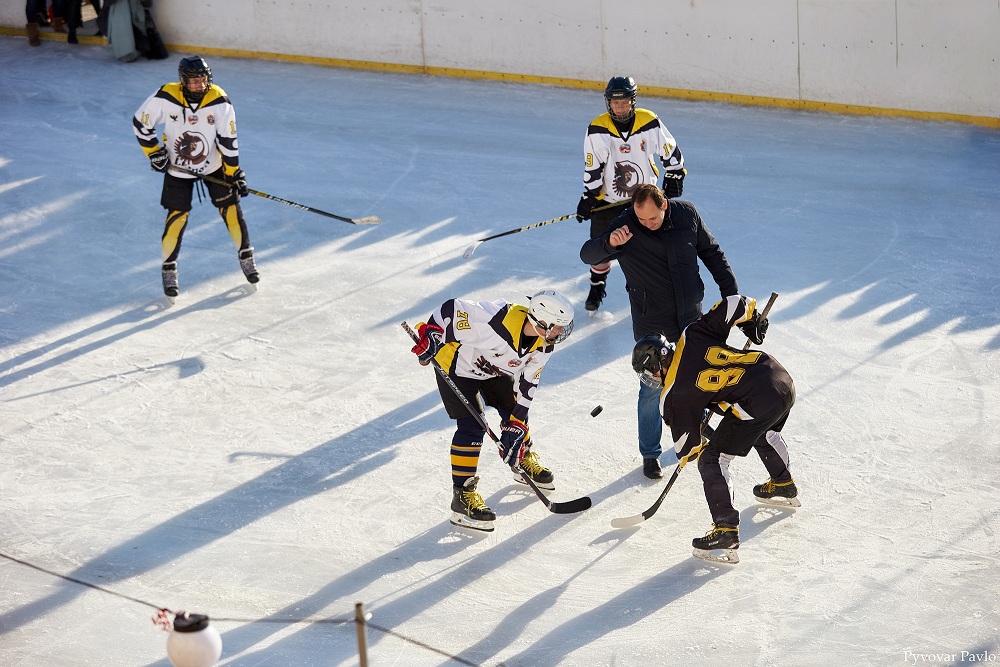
650,356
621,88
193,67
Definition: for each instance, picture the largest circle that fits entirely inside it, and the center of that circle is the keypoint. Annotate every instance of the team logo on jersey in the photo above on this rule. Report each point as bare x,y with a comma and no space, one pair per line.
642,146
211,119
193,120
173,117
191,148
625,148
627,179
514,363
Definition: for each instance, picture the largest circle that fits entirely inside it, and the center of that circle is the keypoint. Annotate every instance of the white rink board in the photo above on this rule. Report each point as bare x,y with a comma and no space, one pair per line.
917,55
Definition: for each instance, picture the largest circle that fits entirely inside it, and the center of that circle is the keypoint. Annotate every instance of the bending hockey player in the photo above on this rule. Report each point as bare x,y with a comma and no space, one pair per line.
752,391
199,139
494,352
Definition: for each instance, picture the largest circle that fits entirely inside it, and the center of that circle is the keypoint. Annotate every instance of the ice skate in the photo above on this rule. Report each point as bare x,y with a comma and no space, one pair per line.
596,297
539,474
783,494
468,508
169,274
249,267
719,545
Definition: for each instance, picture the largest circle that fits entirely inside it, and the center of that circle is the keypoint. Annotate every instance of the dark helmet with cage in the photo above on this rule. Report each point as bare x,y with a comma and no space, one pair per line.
621,88
194,67
650,356
552,313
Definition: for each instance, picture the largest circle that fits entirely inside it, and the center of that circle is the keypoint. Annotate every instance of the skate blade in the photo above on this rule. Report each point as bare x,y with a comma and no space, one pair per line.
778,501
544,486
171,300
724,556
465,522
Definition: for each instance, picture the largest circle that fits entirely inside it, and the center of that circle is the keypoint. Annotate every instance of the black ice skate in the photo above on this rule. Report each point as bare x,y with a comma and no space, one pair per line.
468,508
596,296
722,538
170,288
539,474
783,494
249,267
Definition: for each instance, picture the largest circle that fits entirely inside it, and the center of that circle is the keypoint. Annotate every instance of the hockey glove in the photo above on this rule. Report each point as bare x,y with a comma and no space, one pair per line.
159,160
431,341
673,183
754,328
584,208
693,455
239,181
513,433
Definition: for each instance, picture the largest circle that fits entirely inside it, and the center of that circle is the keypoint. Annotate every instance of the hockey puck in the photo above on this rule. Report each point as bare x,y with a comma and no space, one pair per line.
596,411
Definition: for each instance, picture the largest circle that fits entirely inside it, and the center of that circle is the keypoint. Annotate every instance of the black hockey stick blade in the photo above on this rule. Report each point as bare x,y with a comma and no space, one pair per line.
568,507
571,506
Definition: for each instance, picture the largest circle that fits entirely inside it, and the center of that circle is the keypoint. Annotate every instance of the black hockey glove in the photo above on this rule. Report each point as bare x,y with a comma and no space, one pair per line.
159,160
513,433
673,183
692,455
754,328
239,181
584,208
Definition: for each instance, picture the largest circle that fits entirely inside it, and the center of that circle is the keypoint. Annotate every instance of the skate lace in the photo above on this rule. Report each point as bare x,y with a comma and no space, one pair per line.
768,486
719,530
531,465
473,500
248,265
170,278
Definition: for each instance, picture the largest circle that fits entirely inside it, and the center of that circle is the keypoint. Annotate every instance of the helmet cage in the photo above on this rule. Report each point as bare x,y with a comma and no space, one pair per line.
650,356
621,88
193,68
547,329
550,310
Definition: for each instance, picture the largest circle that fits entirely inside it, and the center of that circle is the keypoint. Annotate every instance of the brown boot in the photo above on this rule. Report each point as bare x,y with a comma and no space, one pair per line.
58,25
33,34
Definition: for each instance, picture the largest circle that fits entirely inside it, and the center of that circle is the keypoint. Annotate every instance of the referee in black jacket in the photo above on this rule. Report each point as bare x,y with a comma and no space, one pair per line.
658,243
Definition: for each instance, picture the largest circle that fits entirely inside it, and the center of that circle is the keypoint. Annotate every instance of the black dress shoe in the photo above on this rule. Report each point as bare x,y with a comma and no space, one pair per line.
651,468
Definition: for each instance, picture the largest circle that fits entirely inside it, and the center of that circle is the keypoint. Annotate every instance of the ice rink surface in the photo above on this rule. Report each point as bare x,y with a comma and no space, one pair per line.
271,459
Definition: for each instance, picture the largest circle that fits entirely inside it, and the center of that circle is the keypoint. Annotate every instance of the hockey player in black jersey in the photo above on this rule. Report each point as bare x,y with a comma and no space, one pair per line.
752,391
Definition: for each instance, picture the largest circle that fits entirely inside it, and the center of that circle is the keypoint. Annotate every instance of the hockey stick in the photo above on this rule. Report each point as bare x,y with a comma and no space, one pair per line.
763,314
367,220
629,521
568,507
475,244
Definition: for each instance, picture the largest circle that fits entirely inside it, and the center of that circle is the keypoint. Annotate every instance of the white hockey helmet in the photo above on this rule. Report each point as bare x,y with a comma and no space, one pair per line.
551,312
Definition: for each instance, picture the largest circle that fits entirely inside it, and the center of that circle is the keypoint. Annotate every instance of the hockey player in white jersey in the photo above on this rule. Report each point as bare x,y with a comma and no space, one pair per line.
494,352
620,152
199,138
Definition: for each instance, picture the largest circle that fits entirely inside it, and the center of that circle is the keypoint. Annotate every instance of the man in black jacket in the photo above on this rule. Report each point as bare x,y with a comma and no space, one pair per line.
658,244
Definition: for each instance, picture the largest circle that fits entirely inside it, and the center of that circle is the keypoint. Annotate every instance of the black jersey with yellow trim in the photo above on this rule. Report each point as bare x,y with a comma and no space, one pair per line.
706,371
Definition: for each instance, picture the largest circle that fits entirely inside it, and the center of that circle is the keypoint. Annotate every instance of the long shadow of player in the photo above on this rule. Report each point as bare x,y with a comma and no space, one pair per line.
641,601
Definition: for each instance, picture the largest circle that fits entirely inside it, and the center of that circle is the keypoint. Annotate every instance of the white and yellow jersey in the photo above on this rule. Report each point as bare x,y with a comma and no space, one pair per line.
199,139
615,163
485,339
